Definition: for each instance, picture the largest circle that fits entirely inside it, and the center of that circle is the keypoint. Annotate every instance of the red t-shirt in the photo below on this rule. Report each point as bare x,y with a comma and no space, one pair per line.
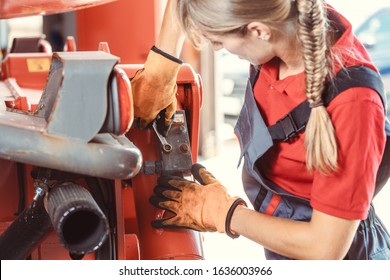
358,118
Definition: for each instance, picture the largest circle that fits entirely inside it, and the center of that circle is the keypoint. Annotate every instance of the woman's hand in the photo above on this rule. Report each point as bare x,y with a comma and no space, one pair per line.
202,207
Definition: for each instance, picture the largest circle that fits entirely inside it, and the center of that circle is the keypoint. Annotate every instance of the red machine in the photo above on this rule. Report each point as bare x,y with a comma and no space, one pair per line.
76,172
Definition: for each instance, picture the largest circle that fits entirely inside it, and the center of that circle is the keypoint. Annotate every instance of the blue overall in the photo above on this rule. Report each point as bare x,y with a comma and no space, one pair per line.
371,240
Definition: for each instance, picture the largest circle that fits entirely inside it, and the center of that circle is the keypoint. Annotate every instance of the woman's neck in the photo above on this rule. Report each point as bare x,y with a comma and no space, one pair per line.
291,58
290,69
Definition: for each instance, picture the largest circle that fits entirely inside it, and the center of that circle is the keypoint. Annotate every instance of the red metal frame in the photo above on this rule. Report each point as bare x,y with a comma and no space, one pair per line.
129,27
18,8
162,244
136,238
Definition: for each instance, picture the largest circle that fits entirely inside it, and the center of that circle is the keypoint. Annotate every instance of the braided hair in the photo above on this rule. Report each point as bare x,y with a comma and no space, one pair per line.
305,24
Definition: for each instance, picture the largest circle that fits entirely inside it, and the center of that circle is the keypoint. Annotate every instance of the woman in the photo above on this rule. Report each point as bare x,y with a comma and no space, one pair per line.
312,194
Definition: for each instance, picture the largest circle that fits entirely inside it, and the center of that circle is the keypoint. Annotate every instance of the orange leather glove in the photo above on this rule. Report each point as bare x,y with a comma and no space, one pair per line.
206,207
154,87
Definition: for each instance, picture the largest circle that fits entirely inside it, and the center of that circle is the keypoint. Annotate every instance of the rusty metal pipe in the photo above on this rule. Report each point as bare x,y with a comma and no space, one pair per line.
80,224
23,140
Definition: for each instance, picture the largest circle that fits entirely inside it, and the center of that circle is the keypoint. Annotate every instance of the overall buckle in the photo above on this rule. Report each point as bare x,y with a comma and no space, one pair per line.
289,127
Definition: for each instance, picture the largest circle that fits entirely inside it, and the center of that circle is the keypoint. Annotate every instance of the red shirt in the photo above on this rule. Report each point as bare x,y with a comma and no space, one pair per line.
358,118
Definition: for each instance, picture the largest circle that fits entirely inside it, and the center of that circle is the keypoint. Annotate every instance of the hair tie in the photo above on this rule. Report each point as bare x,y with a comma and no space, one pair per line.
316,103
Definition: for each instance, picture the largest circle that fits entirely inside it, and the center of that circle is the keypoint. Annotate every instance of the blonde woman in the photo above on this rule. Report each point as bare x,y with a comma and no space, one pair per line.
311,195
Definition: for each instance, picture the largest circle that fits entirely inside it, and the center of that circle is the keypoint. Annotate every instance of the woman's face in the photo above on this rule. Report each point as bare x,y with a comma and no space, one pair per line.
248,47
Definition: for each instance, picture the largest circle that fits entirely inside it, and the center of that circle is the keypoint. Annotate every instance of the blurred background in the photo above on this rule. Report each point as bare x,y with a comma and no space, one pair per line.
224,79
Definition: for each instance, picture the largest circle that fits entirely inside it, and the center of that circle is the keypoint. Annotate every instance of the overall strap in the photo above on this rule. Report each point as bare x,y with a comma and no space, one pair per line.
296,120
254,72
357,76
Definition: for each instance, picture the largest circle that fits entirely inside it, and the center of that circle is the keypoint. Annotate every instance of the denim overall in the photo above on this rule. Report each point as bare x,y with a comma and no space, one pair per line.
371,240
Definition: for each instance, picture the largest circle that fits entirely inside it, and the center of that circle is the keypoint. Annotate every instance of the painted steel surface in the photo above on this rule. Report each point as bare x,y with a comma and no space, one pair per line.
19,8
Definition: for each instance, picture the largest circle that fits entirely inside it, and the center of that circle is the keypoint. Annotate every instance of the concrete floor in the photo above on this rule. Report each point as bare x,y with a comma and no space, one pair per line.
224,167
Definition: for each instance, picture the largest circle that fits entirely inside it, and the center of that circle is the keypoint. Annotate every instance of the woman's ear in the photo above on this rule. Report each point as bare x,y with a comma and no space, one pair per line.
260,30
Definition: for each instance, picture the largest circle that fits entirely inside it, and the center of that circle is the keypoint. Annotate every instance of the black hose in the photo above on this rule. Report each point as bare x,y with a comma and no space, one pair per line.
80,224
103,192
26,232
22,187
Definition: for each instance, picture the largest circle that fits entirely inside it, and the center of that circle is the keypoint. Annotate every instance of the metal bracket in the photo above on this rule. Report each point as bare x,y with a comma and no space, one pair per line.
176,157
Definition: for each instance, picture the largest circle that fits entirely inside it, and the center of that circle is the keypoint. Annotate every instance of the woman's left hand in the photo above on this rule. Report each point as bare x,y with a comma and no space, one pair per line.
202,207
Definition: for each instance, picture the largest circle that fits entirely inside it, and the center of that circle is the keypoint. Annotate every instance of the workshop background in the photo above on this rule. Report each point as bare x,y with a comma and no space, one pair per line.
223,77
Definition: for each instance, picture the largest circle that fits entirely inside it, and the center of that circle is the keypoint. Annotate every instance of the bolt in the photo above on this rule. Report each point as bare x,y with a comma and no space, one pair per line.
167,148
183,129
184,148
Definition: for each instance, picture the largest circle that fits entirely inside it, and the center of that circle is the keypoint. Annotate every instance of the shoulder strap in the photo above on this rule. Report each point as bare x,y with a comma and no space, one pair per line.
357,76
254,72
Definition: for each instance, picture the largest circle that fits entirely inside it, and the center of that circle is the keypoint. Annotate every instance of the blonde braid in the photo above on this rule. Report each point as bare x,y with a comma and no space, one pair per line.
320,140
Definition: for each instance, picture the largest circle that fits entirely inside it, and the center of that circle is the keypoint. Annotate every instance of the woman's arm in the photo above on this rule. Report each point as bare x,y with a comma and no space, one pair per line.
154,86
171,36
324,237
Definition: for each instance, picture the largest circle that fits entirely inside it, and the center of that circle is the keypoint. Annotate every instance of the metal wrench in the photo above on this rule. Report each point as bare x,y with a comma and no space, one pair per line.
166,147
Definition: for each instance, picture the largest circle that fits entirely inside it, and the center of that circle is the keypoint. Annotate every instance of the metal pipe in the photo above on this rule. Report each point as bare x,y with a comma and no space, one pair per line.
80,224
24,140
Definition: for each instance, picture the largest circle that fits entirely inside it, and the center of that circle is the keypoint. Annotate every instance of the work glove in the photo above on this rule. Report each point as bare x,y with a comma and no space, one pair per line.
203,207
154,87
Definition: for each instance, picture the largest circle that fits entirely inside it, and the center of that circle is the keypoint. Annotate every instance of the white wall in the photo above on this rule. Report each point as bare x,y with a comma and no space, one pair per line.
356,10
